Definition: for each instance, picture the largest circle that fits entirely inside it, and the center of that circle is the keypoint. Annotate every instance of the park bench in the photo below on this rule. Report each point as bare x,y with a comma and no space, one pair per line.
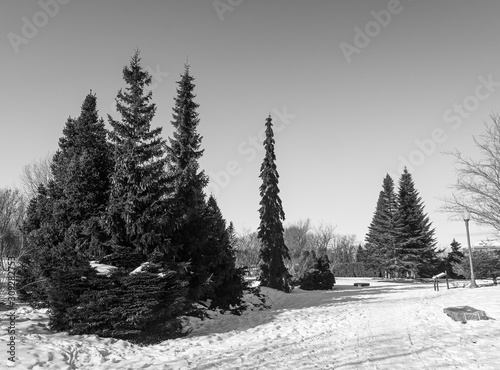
436,280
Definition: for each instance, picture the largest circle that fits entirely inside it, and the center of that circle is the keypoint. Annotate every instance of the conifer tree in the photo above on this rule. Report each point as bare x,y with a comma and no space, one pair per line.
381,237
81,168
183,152
226,280
39,235
233,237
455,256
188,197
273,252
375,248
415,239
319,275
63,221
141,305
137,218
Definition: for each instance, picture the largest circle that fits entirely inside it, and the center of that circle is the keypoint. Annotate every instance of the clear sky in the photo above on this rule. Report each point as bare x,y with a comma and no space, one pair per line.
358,89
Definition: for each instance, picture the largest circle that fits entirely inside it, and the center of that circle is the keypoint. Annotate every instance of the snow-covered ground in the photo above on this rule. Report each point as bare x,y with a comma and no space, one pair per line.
384,326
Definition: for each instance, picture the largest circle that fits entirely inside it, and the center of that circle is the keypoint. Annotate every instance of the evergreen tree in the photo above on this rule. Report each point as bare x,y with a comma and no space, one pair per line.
40,235
226,280
81,169
319,276
188,198
63,221
141,305
380,249
184,151
137,214
273,252
455,256
415,240
233,238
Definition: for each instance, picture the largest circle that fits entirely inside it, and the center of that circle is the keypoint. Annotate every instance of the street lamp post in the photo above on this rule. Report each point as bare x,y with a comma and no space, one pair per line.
472,278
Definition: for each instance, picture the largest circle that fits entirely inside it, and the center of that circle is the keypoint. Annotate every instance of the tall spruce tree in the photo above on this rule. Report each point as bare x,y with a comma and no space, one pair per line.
140,305
415,238
188,197
273,252
380,253
227,281
138,216
375,249
183,152
81,168
63,227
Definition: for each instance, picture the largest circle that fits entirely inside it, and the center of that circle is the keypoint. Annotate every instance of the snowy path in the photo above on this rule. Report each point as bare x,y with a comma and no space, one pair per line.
388,331
385,326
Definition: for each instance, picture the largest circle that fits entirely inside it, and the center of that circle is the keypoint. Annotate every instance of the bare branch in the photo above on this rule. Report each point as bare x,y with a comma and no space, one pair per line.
478,181
35,173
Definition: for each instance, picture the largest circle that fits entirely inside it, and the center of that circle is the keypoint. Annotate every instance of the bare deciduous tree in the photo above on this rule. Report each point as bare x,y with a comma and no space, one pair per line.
12,209
345,248
35,173
296,237
323,238
247,247
478,181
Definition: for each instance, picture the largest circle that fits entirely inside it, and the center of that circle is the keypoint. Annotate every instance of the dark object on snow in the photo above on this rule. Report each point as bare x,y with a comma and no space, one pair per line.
464,313
361,284
319,277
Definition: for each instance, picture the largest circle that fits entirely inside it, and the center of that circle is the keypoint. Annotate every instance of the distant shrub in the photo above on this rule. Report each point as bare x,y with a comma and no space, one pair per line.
354,269
319,277
486,265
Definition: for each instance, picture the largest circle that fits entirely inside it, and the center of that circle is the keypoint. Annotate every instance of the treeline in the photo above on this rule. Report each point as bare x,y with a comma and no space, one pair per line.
306,243
129,199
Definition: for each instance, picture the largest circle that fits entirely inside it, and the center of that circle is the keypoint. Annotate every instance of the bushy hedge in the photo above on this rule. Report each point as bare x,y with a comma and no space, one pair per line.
141,307
319,277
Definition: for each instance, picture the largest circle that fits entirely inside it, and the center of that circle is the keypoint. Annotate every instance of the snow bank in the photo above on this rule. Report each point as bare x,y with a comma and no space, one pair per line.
101,268
383,326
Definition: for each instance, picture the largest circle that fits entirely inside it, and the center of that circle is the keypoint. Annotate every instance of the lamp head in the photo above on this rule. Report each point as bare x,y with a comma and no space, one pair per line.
466,215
